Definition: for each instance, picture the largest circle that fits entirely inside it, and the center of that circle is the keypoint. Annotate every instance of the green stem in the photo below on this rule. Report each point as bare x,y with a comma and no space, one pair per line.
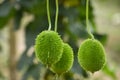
48,15
56,77
87,20
56,18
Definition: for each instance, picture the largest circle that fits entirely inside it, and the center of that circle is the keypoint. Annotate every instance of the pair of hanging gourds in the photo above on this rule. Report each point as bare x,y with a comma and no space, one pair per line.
58,56
52,51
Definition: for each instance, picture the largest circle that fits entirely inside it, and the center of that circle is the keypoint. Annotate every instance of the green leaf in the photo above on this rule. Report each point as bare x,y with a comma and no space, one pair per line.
101,37
18,16
2,77
39,7
109,71
32,30
36,7
25,61
34,71
5,13
5,9
78,29
1,48
3,21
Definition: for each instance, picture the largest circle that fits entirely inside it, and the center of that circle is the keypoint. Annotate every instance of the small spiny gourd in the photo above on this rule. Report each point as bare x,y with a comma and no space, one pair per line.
48,47
65,62
91,55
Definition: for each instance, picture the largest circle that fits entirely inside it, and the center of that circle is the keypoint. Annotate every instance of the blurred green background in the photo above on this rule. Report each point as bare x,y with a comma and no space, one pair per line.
22,20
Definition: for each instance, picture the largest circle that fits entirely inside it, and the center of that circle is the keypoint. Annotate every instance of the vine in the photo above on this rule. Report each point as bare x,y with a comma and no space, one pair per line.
87,19
56,18
48,15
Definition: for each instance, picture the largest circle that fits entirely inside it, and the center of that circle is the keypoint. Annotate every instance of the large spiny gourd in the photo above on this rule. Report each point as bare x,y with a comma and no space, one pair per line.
65,62
91,55
48,47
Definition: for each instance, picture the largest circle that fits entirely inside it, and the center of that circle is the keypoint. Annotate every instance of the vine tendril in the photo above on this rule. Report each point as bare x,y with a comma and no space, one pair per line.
48,15
56,18
87,20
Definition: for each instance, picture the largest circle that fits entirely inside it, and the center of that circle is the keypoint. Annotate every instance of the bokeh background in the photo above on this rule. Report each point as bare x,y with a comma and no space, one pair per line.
22,20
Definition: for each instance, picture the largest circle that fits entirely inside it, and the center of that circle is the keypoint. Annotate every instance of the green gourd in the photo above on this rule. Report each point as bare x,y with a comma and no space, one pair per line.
48,47
91,55
65,62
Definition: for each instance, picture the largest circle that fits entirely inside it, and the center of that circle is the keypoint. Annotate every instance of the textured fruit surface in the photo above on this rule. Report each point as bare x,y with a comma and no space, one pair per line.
48,47
91,55
65,62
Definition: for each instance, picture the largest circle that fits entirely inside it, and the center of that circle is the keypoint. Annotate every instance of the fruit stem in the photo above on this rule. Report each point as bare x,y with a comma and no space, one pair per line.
56,77
87,20
56,18
60,76
48,15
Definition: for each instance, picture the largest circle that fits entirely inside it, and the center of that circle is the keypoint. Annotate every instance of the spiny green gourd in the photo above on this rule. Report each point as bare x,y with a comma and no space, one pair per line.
48,47
91,55
65,62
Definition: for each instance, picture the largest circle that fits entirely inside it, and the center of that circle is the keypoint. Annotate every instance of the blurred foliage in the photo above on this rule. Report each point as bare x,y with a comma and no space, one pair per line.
71,23
0,48
1,76
111,72
6,12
